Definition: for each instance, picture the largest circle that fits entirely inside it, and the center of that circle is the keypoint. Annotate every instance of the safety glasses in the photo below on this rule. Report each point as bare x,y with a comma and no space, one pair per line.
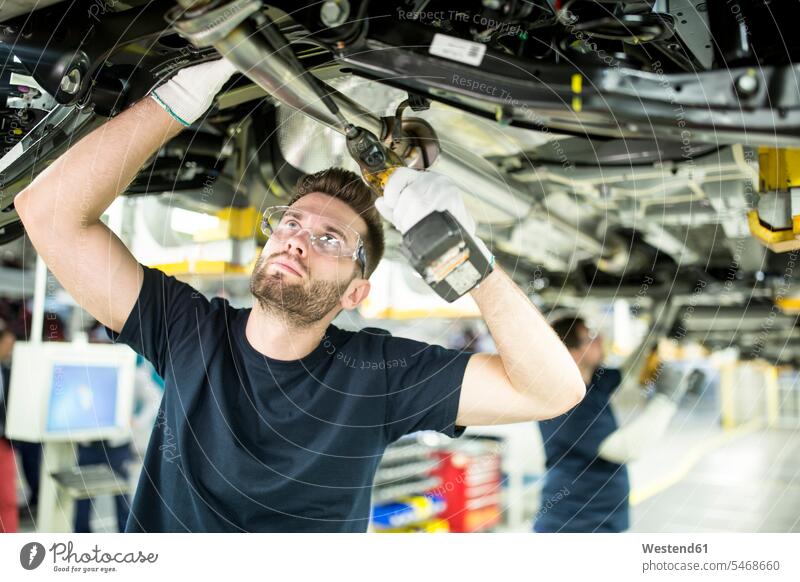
327,236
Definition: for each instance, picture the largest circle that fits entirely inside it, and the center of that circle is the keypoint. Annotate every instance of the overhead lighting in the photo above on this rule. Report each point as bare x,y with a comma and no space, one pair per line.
190,222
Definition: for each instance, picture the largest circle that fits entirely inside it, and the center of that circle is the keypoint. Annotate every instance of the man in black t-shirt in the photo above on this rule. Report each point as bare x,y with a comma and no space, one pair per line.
273,418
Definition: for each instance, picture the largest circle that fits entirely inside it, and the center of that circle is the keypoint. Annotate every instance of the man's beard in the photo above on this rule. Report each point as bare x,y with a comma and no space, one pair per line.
301,304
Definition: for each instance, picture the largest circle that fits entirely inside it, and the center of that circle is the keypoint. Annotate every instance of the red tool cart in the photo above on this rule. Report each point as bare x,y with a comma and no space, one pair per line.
471,483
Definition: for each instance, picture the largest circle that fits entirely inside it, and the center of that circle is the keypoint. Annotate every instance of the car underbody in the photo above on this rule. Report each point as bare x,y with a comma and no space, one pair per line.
611,148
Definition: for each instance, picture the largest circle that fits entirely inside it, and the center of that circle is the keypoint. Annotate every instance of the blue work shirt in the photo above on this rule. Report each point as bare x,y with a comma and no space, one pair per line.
583,492
248,443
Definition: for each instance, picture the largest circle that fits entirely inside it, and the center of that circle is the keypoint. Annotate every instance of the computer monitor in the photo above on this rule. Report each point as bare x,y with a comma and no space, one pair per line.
70,391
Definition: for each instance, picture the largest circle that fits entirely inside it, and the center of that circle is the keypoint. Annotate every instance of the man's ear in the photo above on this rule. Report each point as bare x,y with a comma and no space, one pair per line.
356,292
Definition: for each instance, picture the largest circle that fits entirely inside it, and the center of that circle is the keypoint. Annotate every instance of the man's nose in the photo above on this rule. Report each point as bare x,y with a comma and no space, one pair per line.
298,243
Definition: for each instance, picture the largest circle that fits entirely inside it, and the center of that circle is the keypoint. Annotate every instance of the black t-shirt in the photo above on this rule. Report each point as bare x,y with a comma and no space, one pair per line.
244,442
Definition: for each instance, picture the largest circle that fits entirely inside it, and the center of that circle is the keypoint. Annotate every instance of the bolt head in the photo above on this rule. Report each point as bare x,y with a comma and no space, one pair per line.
747,85
71,82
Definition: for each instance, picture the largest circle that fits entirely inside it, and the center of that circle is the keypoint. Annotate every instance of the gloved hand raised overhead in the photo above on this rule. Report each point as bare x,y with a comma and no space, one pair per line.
411,195
189,94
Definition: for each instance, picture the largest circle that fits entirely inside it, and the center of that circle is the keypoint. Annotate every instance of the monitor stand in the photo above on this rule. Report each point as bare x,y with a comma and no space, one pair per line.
64,482
56,506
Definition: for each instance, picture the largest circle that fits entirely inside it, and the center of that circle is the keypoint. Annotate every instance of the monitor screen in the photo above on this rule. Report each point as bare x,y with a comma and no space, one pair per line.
82,397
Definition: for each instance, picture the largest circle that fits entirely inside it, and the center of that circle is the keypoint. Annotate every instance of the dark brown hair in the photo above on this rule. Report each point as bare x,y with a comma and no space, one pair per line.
348,187
567,329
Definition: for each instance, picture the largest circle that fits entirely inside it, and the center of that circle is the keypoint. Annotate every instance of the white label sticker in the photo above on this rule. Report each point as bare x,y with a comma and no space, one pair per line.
463,278
457,49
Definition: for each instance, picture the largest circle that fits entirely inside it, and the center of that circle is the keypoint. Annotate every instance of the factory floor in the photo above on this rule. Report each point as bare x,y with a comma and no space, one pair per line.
704,479
701,478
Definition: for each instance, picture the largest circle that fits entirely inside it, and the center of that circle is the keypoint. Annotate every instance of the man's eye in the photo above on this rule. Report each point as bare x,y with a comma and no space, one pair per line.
329,239
291,224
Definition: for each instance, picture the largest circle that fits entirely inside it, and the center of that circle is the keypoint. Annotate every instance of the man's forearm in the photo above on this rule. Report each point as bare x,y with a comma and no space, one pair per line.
83,182
535,360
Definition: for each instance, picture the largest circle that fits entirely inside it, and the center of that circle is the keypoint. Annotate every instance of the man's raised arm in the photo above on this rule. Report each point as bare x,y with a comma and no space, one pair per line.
61,208
533,377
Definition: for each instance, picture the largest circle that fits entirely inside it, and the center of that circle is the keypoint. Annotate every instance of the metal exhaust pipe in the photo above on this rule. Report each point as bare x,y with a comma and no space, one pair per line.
232,29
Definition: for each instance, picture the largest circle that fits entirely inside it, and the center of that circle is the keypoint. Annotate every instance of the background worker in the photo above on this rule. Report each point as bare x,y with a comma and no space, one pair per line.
586,486
9,515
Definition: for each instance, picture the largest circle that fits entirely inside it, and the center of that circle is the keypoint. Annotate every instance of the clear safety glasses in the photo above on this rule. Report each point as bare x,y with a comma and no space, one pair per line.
327,236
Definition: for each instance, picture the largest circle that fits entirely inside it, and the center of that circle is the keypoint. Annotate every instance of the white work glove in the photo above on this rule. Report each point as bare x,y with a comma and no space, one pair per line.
189,94
411,195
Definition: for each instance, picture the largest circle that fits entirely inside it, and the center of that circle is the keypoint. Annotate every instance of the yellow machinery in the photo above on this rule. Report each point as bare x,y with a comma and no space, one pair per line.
776,220
238,226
